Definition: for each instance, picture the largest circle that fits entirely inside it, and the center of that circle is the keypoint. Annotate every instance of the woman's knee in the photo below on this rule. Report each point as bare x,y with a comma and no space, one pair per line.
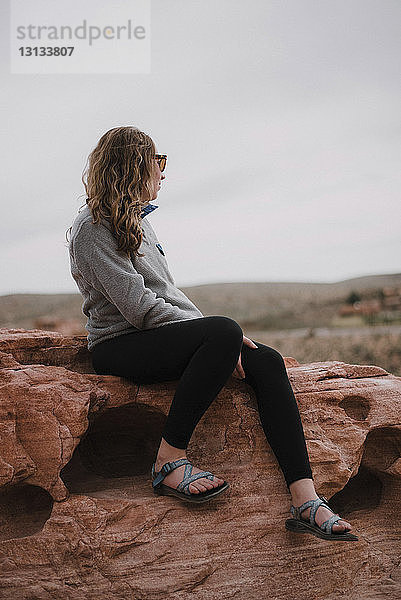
225,327
274,356
266,356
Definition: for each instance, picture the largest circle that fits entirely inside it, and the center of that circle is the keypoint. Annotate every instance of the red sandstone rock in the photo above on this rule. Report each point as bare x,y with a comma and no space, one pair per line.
78,517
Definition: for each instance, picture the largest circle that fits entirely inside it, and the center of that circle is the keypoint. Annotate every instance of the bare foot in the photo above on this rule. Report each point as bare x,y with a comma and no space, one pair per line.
200,485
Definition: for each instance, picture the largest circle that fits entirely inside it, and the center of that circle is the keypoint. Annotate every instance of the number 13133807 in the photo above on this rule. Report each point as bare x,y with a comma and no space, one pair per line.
46,50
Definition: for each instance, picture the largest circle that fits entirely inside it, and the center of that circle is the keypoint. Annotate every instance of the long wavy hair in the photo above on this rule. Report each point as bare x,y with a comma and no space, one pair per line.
117,180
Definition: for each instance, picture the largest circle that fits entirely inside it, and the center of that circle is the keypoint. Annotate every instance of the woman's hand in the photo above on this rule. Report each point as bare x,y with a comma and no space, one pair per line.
239,372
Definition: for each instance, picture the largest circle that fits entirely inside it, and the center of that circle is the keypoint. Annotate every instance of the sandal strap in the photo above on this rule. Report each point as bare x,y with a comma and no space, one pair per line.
188,478
316,504
188,470
296,510
166,469
183,486
313,505
328,525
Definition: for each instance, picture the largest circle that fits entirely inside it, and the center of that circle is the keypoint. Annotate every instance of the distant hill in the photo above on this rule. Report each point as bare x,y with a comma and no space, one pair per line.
285,305
264,305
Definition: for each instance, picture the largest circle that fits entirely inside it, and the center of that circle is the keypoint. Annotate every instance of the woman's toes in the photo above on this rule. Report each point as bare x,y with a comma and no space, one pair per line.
193,489
202,487
341,526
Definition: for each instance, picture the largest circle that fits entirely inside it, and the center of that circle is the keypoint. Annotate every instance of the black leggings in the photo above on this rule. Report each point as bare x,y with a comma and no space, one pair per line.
202,354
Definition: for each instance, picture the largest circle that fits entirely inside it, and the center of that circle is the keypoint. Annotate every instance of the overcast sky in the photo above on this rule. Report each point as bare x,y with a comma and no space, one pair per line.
281,120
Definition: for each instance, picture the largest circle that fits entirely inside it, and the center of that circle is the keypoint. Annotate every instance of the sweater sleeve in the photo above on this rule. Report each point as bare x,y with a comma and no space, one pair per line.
113,274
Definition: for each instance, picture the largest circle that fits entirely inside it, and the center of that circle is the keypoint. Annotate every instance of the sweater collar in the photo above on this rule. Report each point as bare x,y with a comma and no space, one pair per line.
148,209
145,211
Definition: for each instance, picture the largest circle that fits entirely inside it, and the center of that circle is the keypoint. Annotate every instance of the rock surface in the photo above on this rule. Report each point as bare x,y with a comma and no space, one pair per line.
78,517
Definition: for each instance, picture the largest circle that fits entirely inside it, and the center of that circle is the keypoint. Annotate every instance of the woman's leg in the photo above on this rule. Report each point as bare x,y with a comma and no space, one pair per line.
265,371
200,353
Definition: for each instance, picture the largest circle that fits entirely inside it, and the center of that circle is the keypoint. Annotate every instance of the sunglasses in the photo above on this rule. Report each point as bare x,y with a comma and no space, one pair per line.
161,161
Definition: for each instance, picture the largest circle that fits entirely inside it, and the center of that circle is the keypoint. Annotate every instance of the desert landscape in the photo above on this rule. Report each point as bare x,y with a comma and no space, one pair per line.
356,321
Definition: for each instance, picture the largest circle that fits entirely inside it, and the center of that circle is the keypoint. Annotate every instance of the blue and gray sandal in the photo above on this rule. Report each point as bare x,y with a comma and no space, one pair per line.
325,530
182,490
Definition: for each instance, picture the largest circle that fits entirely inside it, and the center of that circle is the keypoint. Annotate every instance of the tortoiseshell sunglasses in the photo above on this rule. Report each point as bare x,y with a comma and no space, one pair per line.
161,161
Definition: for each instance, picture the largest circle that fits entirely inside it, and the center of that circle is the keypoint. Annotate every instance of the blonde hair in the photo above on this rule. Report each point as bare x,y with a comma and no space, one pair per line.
117,181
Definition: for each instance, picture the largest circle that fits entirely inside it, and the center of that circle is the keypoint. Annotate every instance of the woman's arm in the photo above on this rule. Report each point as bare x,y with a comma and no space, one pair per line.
113,274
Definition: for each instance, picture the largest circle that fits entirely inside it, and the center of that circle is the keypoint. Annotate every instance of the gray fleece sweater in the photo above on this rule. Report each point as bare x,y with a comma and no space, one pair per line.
121,294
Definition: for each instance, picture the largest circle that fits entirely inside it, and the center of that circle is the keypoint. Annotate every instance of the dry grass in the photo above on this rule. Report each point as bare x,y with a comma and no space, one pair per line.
368,348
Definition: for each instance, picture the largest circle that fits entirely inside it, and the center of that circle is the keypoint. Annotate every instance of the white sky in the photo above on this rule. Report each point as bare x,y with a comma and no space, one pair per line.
281,120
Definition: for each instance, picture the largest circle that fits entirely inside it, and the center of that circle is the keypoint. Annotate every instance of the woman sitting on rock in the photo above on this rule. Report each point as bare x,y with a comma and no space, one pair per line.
141,326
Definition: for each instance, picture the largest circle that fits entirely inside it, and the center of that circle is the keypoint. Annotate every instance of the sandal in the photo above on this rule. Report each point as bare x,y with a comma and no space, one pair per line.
325,530
182,490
